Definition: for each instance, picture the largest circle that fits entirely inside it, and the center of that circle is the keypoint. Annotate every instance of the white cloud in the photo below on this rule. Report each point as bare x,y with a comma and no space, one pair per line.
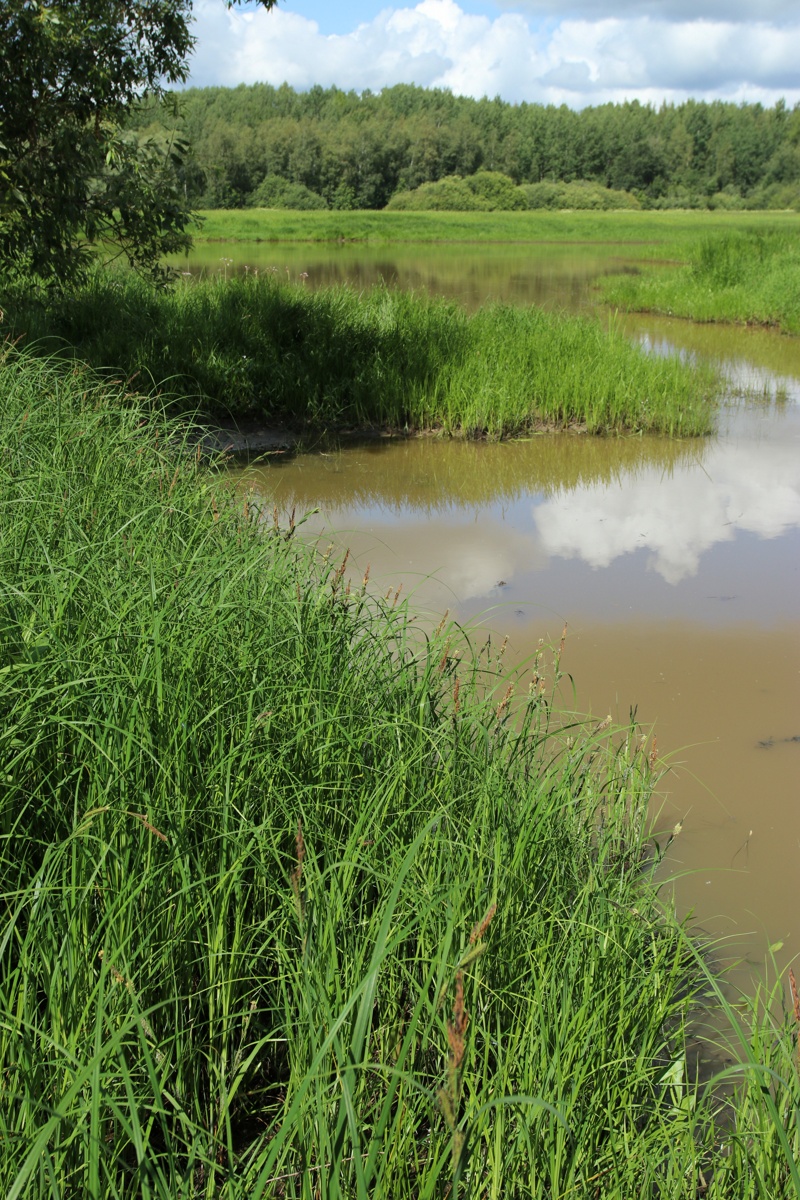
699,57
588,58
664,10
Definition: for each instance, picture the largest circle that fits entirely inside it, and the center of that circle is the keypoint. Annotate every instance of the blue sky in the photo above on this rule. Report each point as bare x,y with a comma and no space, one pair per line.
575,52
342,18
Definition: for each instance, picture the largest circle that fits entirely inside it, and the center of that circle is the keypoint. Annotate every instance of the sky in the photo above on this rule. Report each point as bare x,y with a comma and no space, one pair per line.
573,52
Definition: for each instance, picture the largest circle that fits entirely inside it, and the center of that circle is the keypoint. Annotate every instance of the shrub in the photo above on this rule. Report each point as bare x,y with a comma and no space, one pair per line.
580,194
276,192
450,194
487,191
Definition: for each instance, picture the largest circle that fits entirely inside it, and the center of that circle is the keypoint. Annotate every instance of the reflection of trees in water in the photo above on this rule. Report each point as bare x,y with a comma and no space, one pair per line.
430,475
547,275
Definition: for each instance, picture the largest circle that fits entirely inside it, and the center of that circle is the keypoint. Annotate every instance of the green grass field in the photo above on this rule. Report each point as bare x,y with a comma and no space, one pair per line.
300,901
334,358
672,229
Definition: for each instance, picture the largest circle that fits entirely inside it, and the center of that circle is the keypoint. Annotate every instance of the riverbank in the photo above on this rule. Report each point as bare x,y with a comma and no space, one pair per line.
293,891
657,229
744,276
335,360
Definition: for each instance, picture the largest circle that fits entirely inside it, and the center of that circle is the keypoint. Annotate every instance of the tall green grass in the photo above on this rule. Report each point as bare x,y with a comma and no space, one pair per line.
744,277
296,900
260,348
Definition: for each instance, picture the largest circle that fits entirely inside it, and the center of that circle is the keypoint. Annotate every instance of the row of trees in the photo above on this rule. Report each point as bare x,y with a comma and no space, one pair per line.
92,150
262,144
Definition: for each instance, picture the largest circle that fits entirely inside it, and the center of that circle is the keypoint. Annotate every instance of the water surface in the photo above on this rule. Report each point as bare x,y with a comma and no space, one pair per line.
555,275
676,566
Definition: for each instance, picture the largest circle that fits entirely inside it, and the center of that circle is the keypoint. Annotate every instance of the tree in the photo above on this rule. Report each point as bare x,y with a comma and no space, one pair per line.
71,174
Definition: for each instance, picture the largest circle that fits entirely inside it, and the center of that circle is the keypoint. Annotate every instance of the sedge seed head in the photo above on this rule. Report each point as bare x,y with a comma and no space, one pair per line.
480,927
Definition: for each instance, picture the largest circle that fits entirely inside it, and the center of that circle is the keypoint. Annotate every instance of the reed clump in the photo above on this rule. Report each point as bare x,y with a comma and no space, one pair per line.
263,846
745,277
334,359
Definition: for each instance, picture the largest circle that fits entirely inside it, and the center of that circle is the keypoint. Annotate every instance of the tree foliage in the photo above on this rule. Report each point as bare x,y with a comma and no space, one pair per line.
361,150
73,172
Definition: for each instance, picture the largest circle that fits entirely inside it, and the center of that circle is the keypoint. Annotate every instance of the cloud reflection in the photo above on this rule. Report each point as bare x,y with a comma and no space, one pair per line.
751,486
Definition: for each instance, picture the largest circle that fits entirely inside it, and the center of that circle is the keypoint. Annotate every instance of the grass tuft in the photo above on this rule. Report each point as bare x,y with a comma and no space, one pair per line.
336,359
744,277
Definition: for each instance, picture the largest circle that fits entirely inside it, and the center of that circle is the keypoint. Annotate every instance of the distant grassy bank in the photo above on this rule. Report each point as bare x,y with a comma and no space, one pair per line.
659,228
745,275
333,359
297,901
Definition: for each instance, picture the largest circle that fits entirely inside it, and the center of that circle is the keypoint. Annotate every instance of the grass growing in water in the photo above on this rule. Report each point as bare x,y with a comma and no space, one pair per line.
751,278
334,358
295,903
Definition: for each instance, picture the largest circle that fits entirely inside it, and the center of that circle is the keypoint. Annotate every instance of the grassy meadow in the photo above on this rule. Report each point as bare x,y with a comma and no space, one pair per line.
300,900
670,230
334,359
746,276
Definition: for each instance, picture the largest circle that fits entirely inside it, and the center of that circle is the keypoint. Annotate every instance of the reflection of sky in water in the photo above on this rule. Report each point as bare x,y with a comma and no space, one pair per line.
751,486
714,541
743,375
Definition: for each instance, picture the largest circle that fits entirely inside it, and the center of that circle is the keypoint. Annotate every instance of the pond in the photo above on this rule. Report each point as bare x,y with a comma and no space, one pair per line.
553,274
676,566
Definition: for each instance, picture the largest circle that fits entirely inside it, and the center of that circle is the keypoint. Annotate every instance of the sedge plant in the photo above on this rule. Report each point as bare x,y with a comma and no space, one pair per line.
264,844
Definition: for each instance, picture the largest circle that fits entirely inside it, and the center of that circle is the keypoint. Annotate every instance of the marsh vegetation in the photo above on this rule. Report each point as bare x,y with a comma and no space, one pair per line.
302,900
663,235
746,277
333,358
302,896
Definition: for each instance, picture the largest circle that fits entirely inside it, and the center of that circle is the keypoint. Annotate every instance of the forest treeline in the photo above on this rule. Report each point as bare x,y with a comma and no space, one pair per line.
326,148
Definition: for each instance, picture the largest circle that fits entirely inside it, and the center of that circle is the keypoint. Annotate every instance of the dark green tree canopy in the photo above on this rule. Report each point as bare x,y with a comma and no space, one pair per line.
71,172
254,145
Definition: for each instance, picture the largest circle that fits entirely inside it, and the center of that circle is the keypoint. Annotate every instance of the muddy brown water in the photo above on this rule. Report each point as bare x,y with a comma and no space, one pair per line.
552,274
675,565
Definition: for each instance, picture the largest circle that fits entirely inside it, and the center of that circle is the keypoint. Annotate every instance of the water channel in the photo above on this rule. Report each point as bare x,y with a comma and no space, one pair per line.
676,566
